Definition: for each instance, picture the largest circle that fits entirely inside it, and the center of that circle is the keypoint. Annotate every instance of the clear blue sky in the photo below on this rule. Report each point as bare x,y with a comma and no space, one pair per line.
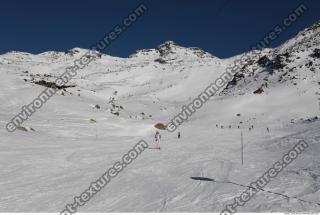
221,27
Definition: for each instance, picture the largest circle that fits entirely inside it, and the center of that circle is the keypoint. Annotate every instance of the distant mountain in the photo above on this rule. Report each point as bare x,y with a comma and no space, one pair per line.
170,69
170,51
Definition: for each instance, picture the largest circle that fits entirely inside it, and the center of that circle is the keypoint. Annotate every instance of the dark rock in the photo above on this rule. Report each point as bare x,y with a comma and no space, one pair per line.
278,62
264,61
238,76
309,64
316,53
199,52
160,126
160,60
115,113
166,48
258,91
72,52
52,84
92,121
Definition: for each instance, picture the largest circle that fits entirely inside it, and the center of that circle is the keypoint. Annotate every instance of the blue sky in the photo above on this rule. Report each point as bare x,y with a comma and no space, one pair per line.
221,27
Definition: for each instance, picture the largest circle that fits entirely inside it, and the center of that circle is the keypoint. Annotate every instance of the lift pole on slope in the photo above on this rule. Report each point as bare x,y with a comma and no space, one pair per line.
241,148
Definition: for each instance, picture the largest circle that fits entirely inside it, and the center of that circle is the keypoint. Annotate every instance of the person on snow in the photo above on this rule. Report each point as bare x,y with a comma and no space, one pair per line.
157,138
179,135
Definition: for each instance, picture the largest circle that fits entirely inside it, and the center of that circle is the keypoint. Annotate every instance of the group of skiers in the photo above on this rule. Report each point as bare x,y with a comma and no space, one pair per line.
157,139
250,128
157,136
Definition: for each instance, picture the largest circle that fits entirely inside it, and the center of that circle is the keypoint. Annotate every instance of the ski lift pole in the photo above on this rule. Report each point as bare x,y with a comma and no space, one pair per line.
241,148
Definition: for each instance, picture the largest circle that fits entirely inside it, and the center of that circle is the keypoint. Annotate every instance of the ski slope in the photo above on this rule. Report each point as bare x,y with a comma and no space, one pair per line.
42,170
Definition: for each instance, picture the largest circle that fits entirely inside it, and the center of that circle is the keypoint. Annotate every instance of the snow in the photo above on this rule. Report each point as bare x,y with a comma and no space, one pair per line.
42,170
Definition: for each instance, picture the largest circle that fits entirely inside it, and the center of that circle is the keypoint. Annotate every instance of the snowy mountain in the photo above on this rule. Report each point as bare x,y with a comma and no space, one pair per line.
114,102
295,60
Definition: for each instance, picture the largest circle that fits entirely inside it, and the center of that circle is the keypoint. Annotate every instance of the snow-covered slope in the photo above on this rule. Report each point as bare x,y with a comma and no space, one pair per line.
43,170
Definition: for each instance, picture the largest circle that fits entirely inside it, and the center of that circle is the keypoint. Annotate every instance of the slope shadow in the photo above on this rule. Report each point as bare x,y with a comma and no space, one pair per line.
202,179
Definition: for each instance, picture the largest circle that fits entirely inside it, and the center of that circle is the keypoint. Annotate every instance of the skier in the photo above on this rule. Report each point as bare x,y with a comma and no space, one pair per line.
157,138
179,135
